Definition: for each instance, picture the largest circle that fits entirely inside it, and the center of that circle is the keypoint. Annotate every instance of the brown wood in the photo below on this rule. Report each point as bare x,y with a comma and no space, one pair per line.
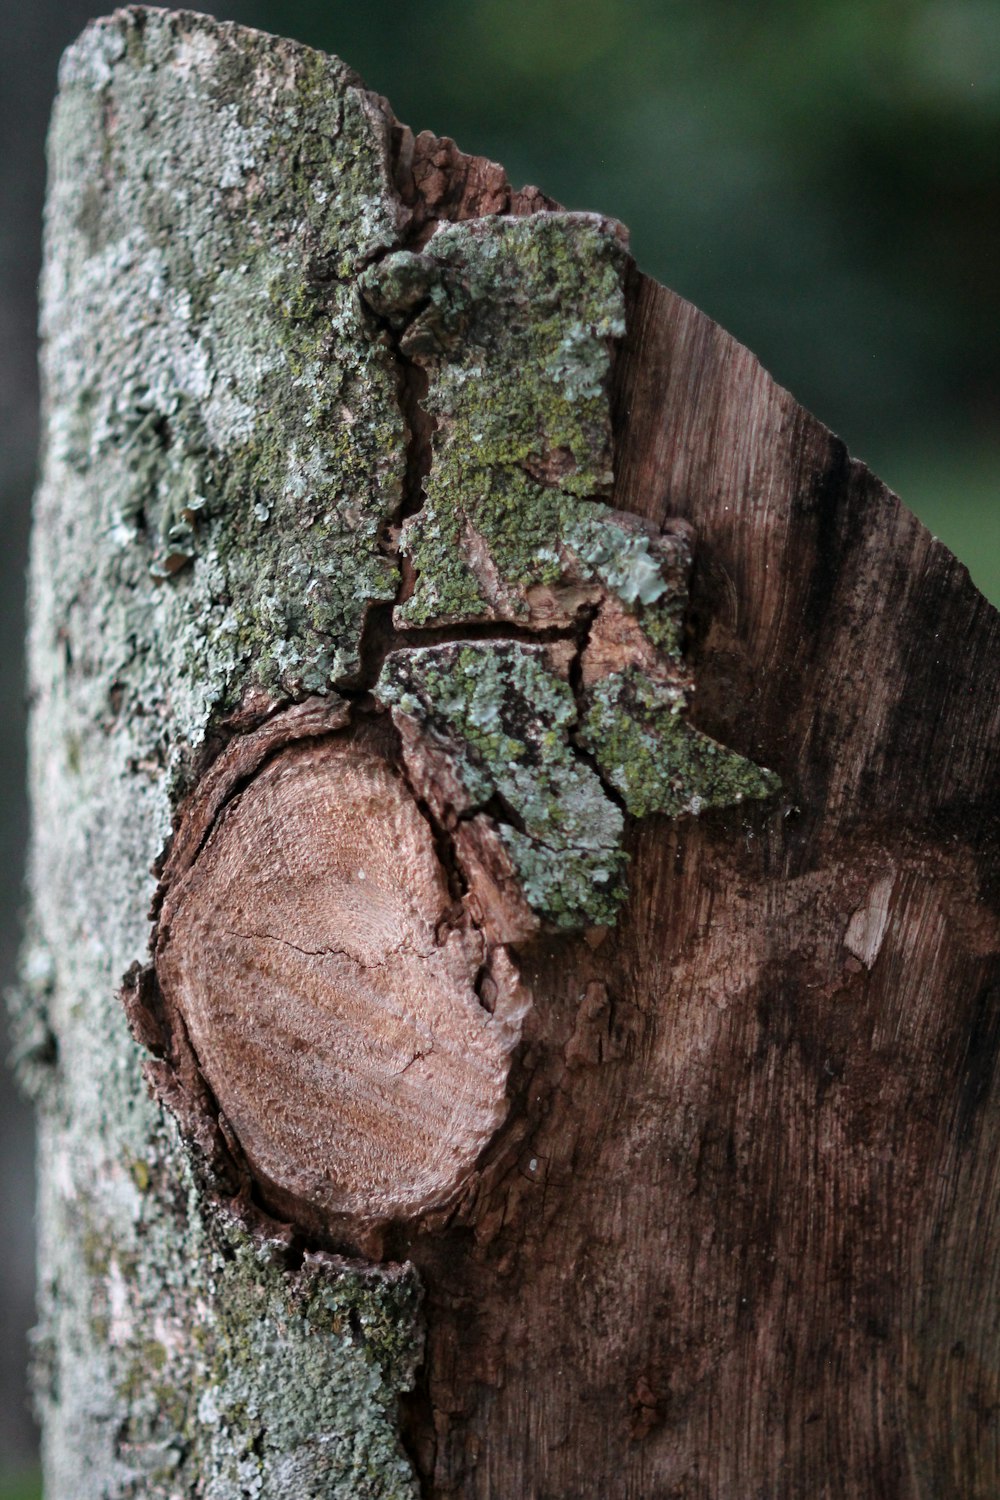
739,1237
351,1021
438,181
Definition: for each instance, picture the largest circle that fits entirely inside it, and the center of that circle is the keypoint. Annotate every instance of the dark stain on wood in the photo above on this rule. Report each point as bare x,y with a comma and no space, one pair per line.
980,1061
763,1259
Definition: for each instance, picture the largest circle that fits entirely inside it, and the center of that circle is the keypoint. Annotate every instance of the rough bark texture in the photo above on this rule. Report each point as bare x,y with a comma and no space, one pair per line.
360,602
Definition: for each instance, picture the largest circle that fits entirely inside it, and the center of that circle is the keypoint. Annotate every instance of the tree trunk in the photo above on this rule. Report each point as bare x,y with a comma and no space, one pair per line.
541,1081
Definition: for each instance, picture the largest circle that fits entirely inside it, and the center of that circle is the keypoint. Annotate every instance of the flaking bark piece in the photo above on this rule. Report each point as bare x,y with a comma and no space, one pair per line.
512,322
321,998
438,181
499,716
658,763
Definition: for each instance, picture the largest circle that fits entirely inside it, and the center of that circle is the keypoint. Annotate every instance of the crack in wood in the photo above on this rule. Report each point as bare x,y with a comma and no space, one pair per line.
330,951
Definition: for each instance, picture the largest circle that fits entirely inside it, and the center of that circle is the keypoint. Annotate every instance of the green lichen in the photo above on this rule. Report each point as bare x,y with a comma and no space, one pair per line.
514,321
302,1380
516,331
426,306
545,300
537,535
657,761
271,1382
141,1175
244,448
506,719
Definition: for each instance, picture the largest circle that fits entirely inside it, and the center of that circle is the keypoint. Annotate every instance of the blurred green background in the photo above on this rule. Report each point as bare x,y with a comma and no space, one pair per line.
821,176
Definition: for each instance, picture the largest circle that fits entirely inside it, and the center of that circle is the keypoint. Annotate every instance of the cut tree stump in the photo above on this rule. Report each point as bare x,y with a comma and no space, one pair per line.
564,1014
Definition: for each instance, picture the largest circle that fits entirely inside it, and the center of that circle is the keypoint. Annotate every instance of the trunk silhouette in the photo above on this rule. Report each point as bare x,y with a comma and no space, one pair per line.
553,1054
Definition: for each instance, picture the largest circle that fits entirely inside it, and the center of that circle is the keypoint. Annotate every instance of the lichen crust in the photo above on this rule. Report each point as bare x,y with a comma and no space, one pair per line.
234,439
658,762
504,720
513,323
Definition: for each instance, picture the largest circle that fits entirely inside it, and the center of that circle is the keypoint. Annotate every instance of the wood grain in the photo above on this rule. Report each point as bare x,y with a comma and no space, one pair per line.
739,1236
352,1023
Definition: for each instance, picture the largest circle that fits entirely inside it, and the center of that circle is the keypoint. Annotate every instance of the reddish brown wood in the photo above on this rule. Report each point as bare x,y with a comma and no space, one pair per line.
438,181
352,1023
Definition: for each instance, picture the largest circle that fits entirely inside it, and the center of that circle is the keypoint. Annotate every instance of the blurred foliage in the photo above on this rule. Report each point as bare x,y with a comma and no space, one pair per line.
26,1486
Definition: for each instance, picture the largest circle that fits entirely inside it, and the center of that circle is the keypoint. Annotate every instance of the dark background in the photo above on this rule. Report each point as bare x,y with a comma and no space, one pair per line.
821,176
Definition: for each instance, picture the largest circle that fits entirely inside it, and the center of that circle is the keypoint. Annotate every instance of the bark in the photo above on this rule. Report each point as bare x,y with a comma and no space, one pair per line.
527,1091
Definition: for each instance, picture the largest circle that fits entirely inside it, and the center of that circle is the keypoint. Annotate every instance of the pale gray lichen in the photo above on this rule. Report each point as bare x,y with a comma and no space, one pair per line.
216,413
219,1373
505,720
299,1393
207,362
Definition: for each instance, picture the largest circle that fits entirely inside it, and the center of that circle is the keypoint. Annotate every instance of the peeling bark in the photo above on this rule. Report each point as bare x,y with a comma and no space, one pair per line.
554,1101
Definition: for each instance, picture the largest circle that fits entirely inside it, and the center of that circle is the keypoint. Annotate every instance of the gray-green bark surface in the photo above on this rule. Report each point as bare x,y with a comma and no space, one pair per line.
212,194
